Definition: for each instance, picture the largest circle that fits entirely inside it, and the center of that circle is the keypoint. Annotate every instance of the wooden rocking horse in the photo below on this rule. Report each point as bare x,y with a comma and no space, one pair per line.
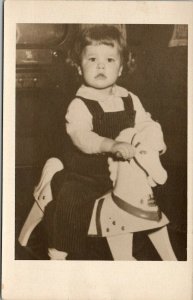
131,206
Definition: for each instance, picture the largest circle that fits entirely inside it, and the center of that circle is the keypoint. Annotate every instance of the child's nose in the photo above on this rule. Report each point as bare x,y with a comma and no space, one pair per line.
101,65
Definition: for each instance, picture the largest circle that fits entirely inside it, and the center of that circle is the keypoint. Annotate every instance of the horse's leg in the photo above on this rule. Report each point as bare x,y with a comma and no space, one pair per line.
121,246
161,242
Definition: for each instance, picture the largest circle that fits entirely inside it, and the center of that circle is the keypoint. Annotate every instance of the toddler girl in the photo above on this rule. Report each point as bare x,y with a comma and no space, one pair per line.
100,110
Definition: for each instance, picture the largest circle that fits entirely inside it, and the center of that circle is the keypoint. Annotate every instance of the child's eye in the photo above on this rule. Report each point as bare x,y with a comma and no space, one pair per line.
92,59
143,152
110,59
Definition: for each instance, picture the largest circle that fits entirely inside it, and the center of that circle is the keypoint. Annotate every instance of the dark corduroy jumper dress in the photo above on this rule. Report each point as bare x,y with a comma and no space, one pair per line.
84,179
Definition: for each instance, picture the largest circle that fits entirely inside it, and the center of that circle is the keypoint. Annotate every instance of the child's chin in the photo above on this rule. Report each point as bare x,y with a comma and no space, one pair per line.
101,86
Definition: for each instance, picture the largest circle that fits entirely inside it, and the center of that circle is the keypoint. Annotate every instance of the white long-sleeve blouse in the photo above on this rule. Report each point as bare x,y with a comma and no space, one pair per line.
79,124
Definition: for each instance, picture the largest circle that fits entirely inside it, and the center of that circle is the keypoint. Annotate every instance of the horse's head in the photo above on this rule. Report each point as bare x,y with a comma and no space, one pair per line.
133,180
147,158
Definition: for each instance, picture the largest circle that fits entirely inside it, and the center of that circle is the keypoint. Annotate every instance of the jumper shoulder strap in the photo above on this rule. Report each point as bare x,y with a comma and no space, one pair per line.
93,106
128,103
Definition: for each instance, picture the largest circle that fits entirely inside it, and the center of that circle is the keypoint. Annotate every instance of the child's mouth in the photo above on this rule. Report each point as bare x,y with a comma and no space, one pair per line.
100,76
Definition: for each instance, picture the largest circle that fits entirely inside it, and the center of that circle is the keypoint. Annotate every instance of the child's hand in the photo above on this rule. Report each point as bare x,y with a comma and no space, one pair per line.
123,150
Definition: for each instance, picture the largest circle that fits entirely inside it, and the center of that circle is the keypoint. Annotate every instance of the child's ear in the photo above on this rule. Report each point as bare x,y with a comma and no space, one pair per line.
79,70
120,70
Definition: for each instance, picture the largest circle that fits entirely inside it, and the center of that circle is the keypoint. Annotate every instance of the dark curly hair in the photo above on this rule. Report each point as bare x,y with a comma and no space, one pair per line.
99,34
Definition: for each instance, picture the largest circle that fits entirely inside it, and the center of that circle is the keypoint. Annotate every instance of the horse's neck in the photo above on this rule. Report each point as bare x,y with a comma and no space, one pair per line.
131,183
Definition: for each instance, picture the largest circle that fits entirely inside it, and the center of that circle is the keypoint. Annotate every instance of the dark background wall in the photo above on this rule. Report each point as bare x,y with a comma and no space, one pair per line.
45,84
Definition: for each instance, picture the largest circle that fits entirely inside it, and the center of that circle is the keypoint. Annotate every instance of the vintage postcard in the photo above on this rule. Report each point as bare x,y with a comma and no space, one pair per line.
97,150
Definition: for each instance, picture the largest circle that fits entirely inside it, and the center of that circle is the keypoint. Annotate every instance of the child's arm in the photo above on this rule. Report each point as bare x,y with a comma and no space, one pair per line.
80,128
120,149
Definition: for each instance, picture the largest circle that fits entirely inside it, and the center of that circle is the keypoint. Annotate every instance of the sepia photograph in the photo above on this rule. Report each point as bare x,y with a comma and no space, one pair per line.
101,141
97,150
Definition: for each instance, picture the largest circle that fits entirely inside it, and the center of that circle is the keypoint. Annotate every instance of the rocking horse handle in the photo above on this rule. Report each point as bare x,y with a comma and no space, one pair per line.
118,154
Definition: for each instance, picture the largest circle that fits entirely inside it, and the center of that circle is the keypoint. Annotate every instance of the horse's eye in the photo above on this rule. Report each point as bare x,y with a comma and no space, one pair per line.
143,152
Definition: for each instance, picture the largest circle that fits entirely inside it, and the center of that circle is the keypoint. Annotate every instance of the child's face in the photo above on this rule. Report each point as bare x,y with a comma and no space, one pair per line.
100,65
